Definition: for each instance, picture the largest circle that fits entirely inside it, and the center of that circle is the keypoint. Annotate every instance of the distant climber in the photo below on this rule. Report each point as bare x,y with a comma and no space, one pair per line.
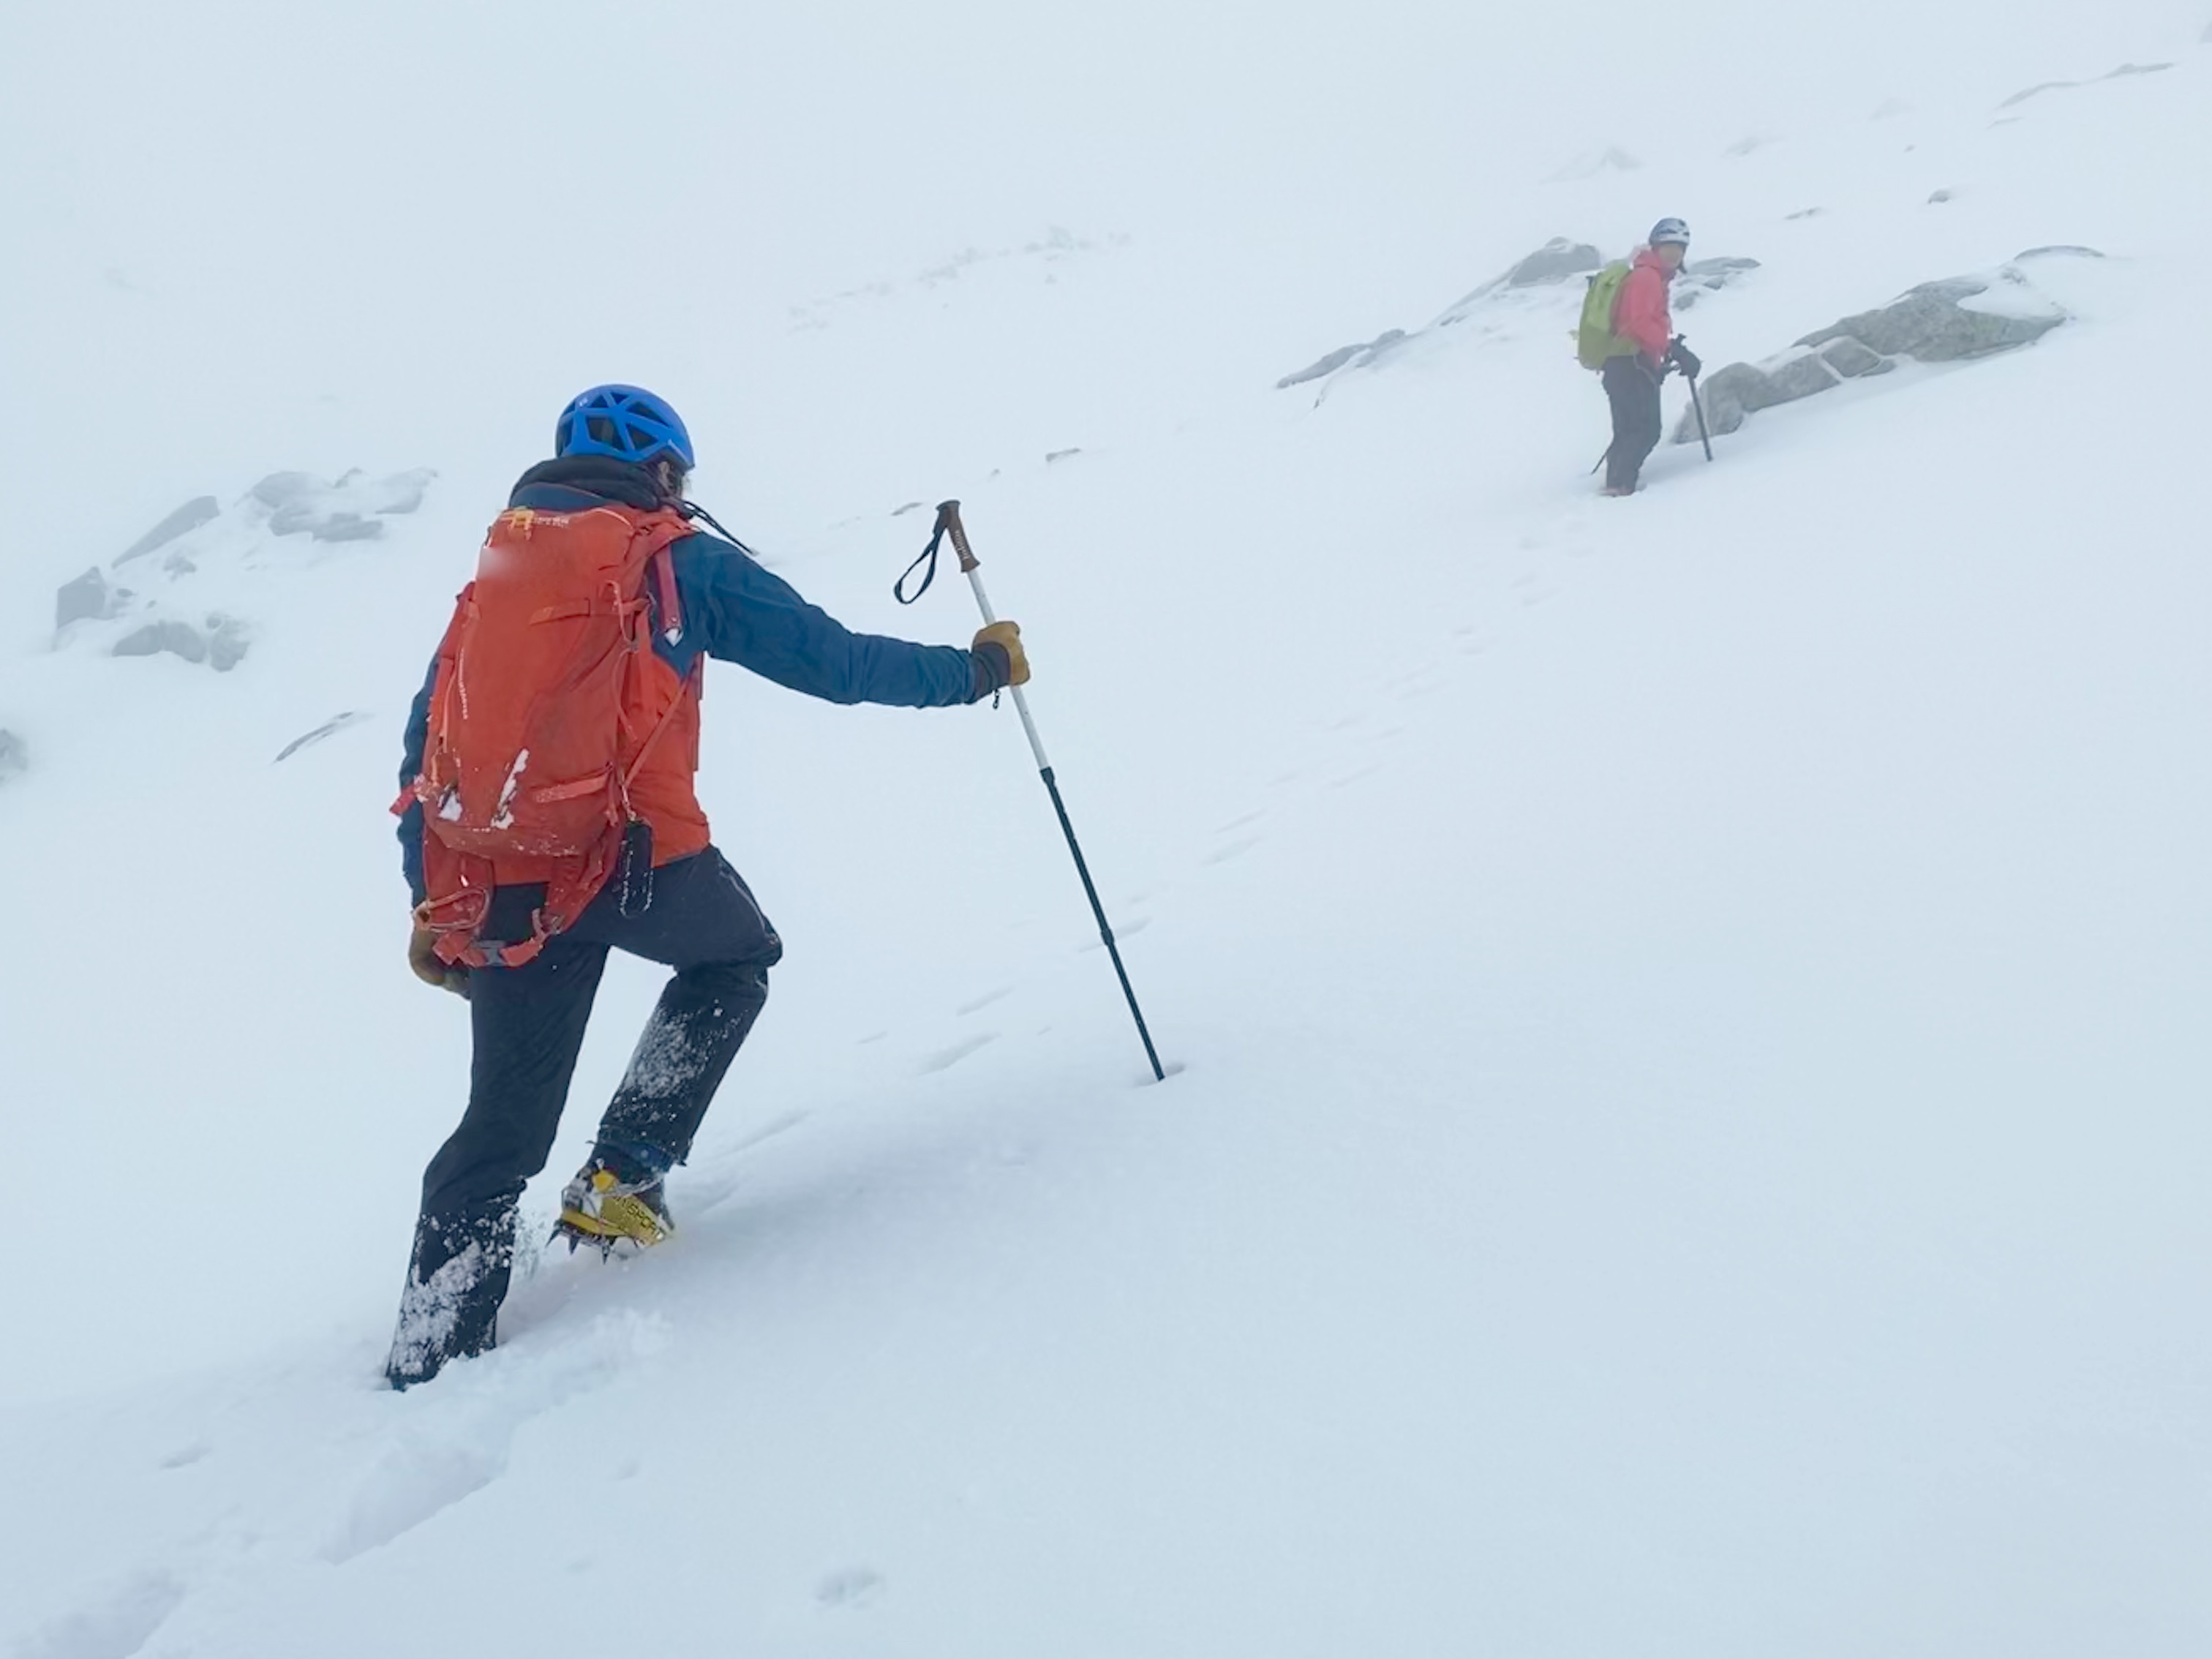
548,814
1627,335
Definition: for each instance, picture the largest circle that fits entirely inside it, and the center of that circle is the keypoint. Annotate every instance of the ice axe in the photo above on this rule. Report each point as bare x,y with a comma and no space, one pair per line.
948,523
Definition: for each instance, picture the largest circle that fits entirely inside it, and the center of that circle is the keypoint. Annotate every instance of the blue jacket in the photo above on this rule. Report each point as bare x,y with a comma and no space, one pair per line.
734,610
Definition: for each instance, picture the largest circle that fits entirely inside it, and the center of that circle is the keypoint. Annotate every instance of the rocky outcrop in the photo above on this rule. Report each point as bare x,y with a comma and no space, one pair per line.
1351,357
89,597
1957,319
188,518
221,644
204,555
1554,262
348,510
1932,324
1702,277
336,723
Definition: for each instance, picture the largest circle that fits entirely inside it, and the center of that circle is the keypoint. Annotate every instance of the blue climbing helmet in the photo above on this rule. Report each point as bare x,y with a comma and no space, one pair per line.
626,422
1669,230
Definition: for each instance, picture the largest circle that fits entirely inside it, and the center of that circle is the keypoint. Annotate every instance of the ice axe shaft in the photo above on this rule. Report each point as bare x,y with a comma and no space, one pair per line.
1698,407
948,523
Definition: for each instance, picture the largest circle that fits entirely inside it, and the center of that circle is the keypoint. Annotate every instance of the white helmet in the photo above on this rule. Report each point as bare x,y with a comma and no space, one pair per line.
1669,230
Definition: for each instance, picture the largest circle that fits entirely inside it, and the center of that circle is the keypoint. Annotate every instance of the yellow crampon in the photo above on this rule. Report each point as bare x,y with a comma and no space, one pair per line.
602,1212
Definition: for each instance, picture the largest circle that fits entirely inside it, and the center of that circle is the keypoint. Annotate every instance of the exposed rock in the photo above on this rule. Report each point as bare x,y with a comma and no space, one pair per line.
1343,356
301,503
179,638
221,646
1806,213
1932,323
227,643
14,755
1061,454
1729,395
1554,262
1936,198
336,723
280,488
344,527
1800,375
88,596
2058,251
1702,277
1852,358
188,516
1962,317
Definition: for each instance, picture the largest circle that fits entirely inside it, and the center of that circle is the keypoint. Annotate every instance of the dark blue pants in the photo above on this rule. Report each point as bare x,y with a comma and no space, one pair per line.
1633,391
528,1024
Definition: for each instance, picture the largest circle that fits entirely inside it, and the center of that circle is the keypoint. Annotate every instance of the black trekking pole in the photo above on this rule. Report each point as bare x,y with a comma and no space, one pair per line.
948,523
1704,437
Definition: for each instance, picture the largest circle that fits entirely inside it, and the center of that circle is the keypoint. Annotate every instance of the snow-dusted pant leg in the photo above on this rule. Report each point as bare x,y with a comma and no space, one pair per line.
705,923
1634,395
528,1024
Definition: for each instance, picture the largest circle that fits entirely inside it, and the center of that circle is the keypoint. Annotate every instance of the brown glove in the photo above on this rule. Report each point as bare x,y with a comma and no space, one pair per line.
430,967
1000,659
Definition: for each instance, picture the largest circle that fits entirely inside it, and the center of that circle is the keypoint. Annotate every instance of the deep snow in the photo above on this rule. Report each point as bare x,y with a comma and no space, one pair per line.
1690,1131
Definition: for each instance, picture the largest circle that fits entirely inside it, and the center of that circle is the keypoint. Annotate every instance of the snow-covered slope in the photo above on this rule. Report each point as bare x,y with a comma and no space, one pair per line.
1687,1134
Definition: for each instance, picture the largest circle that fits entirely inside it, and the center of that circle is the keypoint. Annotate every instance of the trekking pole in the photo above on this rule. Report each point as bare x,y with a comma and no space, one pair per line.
1704,437
948,523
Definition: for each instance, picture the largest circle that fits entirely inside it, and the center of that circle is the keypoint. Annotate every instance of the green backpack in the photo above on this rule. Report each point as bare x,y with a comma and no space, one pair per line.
1595,340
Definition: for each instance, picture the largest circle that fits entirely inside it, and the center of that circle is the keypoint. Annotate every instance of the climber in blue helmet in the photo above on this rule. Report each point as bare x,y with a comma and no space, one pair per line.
524,935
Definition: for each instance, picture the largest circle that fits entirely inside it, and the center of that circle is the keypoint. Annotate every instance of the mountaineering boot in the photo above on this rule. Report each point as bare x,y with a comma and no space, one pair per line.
599,1208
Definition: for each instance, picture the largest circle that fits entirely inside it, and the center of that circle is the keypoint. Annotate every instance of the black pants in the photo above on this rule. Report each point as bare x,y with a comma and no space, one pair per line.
1633,391
528,1026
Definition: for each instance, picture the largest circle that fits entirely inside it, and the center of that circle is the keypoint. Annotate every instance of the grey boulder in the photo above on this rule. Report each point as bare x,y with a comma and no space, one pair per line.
1934,323
89,597
1353,356
222,645
346,510
1554,262
1702,277
1931,325
188,516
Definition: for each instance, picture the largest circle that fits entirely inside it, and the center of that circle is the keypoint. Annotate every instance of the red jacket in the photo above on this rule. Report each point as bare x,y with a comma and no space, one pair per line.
1640,313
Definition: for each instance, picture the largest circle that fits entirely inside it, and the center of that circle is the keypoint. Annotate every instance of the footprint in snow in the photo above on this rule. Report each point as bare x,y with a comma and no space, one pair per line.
850,1587
773,1127
945,1058
1532,589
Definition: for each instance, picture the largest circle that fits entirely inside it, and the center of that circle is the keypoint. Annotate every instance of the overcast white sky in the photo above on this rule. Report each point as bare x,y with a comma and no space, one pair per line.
219,213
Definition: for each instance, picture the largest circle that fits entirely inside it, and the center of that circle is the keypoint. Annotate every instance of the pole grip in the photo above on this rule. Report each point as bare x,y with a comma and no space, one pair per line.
948,521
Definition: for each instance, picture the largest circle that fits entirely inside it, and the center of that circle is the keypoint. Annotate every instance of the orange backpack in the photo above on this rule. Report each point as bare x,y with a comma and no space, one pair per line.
547,701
